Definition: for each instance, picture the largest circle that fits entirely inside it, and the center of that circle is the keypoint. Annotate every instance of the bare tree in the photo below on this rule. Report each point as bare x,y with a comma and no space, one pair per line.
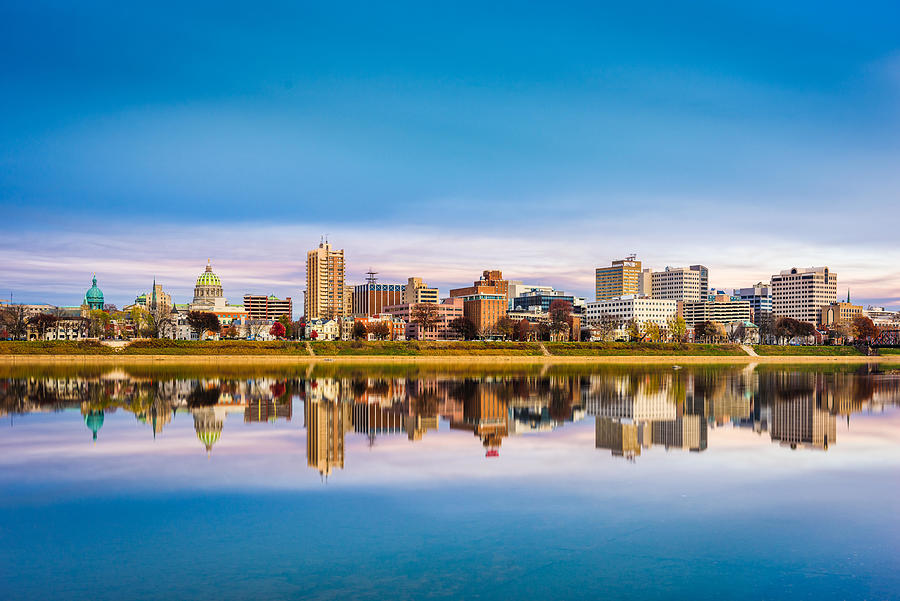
14,320
426,315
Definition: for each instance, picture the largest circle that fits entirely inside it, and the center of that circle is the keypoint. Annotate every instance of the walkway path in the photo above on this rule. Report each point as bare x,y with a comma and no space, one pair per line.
309,349
749,350
544,349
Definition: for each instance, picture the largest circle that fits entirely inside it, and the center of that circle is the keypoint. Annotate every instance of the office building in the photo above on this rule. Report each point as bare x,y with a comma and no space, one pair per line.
485,302
417,291
540,301
445,312
835,313
723,309
801,293
270,308
676,283
639,308
645,283
326,292
760,298
371,298
620,279
704,279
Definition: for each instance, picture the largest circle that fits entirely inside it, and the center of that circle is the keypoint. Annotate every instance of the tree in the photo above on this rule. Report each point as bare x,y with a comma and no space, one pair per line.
426,315
865,328
289,330
139,318
98,323
677,328
560,314
231,331
381,330
652,331
606,326
277,330
255,327
43,322
507,327
360,331
13,319
203,321
633,329
786,328
313,335
463,326
523,330
738,333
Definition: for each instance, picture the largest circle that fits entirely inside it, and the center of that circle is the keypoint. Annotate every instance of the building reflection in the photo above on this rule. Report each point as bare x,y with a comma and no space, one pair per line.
634,410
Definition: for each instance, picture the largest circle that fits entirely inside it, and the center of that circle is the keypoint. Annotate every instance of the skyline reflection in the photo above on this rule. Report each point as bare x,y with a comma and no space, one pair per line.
634,410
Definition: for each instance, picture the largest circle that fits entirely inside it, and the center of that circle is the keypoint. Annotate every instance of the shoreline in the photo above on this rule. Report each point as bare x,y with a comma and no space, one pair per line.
434,359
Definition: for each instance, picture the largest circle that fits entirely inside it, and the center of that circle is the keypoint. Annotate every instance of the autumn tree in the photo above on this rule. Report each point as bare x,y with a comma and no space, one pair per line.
43,322
507,327
463,326
652,331
633,329
865,328
360,332
560,314
289,330
677,328
203,321
523,329
381,330
277,330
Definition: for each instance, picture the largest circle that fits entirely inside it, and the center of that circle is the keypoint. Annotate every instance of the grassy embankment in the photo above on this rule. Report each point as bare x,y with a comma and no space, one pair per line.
355,348
772,350
418,349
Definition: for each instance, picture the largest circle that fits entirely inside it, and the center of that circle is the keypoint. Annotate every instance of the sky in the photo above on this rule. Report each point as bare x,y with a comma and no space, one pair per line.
442,139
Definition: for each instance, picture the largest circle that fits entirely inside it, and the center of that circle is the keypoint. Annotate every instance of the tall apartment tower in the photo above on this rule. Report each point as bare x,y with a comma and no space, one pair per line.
703,270
325,289
622,278
802,292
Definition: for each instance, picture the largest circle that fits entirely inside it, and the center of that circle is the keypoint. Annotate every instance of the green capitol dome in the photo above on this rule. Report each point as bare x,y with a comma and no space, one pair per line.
94,420
93,298
208,278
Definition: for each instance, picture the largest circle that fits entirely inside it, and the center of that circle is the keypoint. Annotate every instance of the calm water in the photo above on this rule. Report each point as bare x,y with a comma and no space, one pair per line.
401,483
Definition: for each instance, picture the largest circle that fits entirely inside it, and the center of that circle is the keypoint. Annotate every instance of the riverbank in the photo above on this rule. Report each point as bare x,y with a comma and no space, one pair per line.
112,360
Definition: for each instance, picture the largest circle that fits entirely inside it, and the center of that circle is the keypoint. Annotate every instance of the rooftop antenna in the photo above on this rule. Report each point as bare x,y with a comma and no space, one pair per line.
371,279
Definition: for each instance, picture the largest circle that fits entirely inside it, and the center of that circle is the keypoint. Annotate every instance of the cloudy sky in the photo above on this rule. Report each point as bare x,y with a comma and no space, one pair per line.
441,140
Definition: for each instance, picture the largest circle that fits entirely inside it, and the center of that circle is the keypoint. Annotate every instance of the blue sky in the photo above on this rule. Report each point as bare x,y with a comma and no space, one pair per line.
443,139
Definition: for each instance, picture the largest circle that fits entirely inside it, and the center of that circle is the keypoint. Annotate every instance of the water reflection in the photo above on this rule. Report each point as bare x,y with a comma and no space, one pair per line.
633,409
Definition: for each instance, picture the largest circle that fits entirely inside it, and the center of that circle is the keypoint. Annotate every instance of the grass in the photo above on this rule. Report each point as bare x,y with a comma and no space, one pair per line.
214,347
805,351
415,348
56,347
423,348
889,351
581,349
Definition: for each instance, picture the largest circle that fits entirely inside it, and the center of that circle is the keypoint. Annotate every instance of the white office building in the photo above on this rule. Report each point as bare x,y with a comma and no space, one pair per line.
625,308
676,283
802,292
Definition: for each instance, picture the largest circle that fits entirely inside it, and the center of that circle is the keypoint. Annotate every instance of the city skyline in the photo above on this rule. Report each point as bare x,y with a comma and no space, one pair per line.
424,141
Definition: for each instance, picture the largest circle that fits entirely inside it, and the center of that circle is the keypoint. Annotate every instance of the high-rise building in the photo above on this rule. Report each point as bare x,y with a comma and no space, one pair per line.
676,283
326,423
260,306
760,298
371,298
326,294
801,293
622,278
417,291
704,279
155,300
645,283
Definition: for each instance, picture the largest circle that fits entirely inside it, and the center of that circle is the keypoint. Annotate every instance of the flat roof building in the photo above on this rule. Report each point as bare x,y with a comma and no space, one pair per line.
676,283
260,306
801,293
620,279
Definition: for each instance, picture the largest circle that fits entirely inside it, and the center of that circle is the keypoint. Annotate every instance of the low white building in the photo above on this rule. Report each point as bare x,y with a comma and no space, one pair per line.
339,328
623,309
